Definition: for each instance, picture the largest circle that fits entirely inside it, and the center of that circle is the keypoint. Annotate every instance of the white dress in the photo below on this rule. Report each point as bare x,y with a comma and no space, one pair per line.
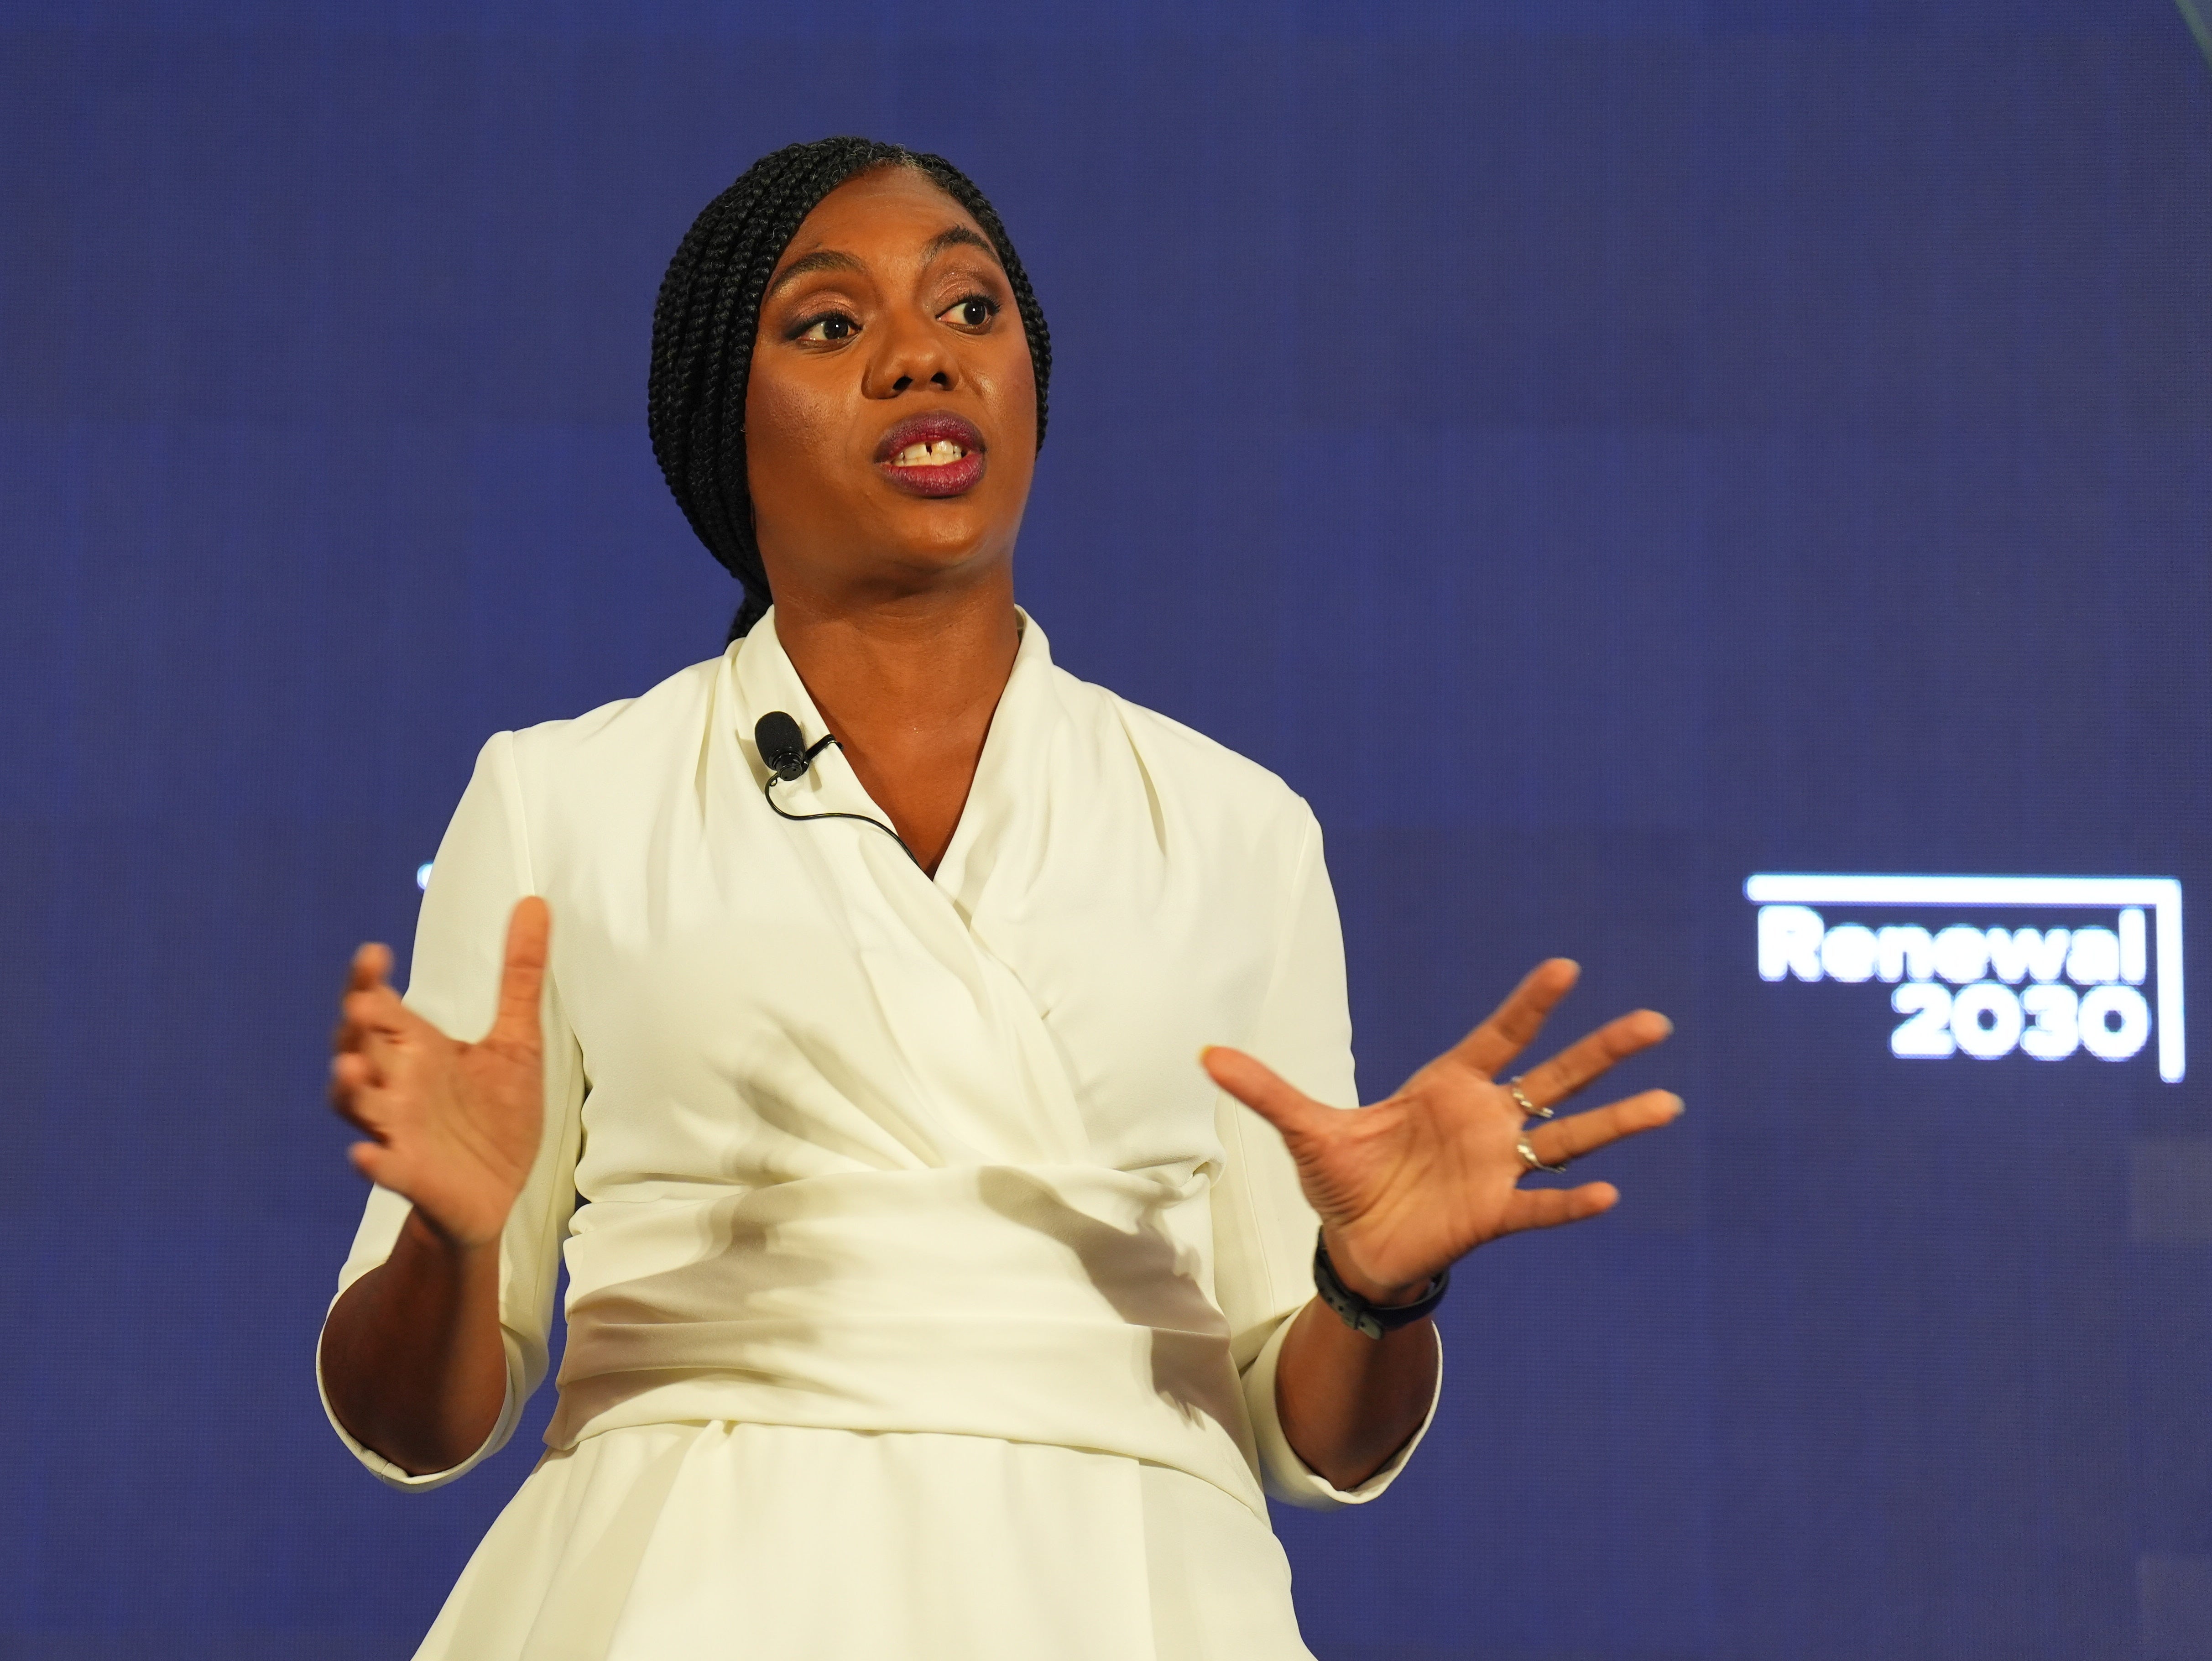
924,1294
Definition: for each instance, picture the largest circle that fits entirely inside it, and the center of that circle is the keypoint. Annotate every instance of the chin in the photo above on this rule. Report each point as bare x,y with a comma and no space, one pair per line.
948,533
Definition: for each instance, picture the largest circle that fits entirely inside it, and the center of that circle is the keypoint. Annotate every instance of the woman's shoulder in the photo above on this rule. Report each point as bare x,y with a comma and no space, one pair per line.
630,739
1200,772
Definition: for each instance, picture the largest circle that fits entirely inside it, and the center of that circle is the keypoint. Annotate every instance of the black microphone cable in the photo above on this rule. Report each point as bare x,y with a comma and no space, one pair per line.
784,750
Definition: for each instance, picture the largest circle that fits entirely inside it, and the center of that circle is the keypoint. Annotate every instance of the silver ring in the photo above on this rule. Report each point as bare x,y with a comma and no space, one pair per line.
1530,1157
1528,1108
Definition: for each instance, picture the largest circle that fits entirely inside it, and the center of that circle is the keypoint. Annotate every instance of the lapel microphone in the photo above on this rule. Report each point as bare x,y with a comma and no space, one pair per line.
783,747
785,753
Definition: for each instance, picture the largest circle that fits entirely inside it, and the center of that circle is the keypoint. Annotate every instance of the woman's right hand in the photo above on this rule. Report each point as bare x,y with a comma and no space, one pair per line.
452,1127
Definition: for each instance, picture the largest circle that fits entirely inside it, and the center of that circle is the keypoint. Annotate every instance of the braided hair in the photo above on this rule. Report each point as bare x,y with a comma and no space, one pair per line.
708,312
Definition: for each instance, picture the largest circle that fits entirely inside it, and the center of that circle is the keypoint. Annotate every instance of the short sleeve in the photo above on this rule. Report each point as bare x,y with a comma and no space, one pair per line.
482,869
1263,1228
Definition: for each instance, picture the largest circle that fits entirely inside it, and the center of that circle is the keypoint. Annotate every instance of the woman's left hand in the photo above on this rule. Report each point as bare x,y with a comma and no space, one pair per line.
1408,1186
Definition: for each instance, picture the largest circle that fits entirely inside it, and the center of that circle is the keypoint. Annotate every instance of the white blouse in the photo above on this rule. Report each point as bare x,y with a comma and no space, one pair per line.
832,1146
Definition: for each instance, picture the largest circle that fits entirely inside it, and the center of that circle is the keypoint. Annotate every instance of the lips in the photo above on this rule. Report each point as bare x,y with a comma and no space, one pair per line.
935,454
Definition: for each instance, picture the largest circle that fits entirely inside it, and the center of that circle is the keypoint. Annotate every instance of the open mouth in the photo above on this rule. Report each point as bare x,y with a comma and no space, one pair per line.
943,454
936,455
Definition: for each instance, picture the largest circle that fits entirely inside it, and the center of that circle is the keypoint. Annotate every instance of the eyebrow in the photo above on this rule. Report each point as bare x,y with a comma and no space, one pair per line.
958,236
823,259
831,259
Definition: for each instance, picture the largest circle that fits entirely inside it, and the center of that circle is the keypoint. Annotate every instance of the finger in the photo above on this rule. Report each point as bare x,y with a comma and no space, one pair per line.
371,967
1591,1057
529,929
1548,1207
1283,1105
364,979
1578,1134
375,1161
378,1009
352,1090
1514,1025
353,1071
372,1026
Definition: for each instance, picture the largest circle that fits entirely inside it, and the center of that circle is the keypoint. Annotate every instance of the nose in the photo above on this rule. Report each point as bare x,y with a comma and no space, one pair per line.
911,352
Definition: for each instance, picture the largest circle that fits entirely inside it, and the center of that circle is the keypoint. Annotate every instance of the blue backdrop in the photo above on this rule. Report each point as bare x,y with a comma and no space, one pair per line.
1597,451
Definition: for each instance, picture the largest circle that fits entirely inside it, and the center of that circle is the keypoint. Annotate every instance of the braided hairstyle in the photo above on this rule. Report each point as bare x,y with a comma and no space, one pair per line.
708,312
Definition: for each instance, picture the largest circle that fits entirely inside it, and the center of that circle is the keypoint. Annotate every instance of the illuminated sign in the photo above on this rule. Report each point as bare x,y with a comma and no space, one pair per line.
1968,987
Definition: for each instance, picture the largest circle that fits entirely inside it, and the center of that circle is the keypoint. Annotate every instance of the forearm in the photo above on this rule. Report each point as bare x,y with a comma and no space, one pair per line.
411,1357
1347,1403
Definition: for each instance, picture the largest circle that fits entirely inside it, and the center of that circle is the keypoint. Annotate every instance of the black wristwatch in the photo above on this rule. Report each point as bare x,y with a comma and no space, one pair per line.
1370,1320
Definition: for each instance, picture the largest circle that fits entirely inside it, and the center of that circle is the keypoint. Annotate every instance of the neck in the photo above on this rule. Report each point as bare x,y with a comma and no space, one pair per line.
909,689
914,666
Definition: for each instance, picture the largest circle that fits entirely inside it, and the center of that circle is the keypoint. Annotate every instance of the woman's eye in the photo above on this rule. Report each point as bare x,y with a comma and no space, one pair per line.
972,313
831,329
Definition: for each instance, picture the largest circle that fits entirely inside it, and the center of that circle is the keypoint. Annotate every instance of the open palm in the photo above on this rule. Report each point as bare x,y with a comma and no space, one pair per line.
452,1127
1407,1186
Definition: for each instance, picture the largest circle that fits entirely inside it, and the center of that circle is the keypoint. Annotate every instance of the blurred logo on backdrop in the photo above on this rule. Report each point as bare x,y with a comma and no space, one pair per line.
2051,968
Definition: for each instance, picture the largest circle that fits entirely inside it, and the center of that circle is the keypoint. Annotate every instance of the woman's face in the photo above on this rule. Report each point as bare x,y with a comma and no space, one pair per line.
890,417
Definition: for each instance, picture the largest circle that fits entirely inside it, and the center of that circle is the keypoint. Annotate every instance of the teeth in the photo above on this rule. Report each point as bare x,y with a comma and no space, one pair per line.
942,453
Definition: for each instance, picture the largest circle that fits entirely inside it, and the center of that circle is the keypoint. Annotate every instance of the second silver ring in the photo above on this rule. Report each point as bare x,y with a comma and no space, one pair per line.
1528,1108
1534,1160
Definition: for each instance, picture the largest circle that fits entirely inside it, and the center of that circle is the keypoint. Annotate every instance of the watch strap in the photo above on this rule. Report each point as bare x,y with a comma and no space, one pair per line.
1370,1320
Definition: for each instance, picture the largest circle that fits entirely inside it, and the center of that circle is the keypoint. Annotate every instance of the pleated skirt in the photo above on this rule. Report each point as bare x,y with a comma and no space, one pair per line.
745,1542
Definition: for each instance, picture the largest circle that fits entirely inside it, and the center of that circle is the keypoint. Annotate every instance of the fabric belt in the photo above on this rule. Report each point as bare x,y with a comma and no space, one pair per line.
1058,1304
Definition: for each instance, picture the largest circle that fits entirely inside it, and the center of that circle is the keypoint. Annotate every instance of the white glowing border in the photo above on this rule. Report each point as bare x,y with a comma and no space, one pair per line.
2162,893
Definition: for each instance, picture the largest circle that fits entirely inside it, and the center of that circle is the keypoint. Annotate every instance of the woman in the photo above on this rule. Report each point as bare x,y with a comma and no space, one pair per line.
927,1297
